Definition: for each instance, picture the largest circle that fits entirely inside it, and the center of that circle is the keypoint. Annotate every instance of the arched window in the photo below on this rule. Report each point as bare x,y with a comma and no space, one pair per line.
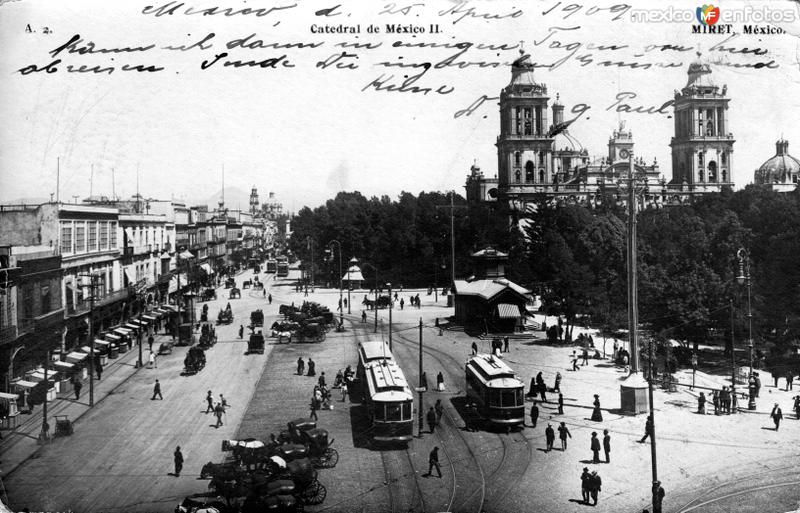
529,172
724,159
517,158
712,171
724,176
541,158
700,159
517,175
700,174
709,128
541,175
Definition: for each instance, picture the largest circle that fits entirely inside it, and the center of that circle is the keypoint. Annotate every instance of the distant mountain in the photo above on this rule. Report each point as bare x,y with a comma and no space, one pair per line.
26,201
235,198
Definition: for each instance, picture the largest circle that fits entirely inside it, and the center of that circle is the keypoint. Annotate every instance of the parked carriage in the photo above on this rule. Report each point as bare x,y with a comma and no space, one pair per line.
320,450
166,347
195,360
256,343
230,283
225,317
257,318
246,284
207,294
235,293
310,333
208,335
201,504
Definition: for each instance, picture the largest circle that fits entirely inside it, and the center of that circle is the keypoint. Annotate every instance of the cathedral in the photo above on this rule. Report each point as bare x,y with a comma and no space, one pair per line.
538,158
781,172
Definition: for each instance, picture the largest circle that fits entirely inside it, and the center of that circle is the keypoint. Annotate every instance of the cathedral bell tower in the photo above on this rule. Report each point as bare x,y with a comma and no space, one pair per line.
524,147
702,147
253,200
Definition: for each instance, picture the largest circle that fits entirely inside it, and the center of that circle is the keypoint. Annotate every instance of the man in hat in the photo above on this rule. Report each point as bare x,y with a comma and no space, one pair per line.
431,419
209,402
550,437
535,414
594,486
585,482
157,392
563,433
607,445
177,457
777,416
433,462
595,447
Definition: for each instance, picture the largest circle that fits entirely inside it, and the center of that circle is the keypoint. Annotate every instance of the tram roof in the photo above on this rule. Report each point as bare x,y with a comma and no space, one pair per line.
374,350
386,382
492,369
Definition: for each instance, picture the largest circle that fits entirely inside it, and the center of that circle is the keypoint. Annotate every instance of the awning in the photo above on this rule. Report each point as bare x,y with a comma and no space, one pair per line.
125,332
63,365
132,326
173,283
130,276
8,397
508,311
207,268
76,357
112,337
150,318
23,384
101,343
141,322
184,255
38,376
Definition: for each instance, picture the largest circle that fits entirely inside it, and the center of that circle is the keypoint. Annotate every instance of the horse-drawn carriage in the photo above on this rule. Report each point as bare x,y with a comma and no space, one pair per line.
201,504
225,316
208,335
230,283
186,334
257,318
247,284
256,343
195,360
235,293
207,294
310,332
304,432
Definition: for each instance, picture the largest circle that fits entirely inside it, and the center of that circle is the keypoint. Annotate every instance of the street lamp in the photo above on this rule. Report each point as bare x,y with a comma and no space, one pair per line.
353,261
743,278
341,310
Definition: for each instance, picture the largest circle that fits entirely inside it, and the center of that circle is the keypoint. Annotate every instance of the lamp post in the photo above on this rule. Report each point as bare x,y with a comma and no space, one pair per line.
375,306
391,305
743,278
653,458
353,261
341,310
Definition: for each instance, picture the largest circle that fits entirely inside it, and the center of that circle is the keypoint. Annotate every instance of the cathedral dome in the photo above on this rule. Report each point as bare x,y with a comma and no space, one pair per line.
700,74
781,168
563,141
522,74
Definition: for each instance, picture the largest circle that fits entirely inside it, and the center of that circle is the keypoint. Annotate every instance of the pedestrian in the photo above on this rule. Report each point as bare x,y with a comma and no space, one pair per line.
701,404
585,485
344,391
557,386
241,331
563,433
534,414
417,301
789,379
363,316
776,415
209,402
585,356
151,360
758,384
594,486
177,457
439,411
157,391
550,437
314,406
301,366
402,302
607,445
269,298
715,401
78,385
311,367
150,341
505,344
433,462
431,419
440,382
616,349
775,378
474,348
648,428
595,447
99,369
264,293
597,415
658,496
218,412
321,380
223,402
560,404
575,362
345,302
541,387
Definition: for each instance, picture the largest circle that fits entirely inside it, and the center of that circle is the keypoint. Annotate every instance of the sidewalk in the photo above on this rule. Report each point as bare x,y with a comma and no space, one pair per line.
22,443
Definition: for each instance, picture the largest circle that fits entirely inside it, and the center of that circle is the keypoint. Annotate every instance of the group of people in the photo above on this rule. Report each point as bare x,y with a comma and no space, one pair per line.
498,346
218,408
434,416
412,300
539,387
321,396
723,400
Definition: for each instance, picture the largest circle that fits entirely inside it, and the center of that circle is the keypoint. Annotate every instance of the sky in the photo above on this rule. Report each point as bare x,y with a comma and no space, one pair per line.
305,131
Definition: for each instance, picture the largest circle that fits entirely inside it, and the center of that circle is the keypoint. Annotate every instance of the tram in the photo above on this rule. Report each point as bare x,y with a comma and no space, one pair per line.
493,386
272,266
282,267
388,398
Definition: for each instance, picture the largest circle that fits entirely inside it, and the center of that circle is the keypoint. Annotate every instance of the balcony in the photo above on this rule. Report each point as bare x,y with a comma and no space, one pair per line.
142,249
83,306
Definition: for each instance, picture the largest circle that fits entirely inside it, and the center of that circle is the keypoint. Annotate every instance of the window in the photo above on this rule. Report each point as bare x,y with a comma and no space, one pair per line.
112,228
541,176
66,237
700,159
508,398
538,120
494,397
80,237
103,235
709,128
517,121
44,294
527,116
27,302
724,159
517,175
517,158
529,172
712,171
407,410
92,227
393,412
379,411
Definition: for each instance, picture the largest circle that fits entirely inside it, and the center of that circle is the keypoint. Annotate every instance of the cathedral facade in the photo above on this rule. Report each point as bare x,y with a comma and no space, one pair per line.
538,158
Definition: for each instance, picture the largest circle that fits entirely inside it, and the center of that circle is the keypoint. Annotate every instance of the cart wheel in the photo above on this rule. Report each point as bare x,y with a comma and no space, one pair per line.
315,493
330,458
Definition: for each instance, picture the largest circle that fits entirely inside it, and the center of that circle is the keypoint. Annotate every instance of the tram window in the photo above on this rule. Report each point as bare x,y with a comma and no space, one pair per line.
393,412
380,413
407,410
508,398
494,397
520,397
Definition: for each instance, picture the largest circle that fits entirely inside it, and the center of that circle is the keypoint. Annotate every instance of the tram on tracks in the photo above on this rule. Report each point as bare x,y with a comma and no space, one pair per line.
272,266
498,394
387,396
282,267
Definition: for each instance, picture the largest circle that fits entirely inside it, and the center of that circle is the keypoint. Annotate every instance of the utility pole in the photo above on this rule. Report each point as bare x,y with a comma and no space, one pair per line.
92,355
733,364
341,306
422,384
633,305
391,305
452,208
656,483
45,434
